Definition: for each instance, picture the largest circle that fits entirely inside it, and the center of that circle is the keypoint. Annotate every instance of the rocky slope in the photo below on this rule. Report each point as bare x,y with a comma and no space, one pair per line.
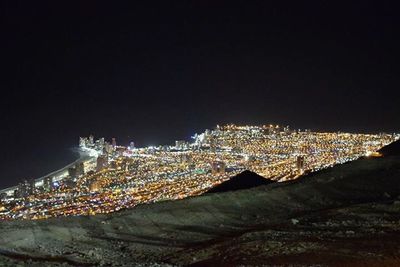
346,215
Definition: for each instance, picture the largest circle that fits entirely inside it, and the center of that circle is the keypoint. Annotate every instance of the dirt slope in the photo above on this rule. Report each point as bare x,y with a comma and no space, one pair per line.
346,215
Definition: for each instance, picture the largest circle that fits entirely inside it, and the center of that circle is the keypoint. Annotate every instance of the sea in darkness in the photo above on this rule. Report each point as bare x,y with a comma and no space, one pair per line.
17,165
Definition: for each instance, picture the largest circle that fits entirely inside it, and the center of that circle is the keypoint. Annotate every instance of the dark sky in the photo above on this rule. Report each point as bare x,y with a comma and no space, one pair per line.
158,72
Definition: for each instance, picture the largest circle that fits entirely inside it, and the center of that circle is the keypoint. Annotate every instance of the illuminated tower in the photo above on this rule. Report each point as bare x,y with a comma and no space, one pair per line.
113,142
91,140
23,188
32,187
83,141
300,164
179,144
132,145
47,183
80,168
72,173
101,162
3,196
99,144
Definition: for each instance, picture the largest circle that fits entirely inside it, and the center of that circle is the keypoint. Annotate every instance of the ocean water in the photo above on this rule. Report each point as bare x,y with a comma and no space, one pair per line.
20,164
37,151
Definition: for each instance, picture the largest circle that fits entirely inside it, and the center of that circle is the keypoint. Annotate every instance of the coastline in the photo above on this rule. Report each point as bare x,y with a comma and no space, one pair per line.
57,174
82,157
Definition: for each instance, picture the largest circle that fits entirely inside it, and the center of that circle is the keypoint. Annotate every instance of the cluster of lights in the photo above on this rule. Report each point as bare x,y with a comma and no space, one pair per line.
118,177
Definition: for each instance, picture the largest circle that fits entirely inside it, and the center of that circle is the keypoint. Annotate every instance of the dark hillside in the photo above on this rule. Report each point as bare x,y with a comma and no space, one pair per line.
347,215
244,180
392,149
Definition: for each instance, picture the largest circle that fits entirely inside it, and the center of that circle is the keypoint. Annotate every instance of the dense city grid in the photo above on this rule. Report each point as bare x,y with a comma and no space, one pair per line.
111,177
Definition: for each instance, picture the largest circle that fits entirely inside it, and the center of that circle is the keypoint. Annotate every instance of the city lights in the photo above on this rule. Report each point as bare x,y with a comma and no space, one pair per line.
112,177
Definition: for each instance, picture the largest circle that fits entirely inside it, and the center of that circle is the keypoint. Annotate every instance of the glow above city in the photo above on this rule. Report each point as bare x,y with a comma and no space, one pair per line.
111,177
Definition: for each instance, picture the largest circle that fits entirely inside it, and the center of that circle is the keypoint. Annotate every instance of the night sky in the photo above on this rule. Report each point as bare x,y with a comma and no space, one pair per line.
158,72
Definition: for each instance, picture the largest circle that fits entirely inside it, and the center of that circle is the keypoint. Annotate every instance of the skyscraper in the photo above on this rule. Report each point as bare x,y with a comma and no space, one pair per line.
91,140
101,162
80,169
72,173
47,183
300,164
113,143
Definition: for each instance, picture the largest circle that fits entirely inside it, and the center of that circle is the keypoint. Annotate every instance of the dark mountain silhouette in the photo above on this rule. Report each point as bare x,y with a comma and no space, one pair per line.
392,149
244,180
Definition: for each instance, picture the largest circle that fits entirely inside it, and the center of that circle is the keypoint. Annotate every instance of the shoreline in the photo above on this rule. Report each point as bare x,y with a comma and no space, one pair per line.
83,156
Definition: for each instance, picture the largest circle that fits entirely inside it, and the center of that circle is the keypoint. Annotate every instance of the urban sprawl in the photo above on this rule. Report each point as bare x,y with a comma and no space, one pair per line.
109,177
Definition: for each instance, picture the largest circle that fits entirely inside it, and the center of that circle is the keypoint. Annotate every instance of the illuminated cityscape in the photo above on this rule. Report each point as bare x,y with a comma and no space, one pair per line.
109,177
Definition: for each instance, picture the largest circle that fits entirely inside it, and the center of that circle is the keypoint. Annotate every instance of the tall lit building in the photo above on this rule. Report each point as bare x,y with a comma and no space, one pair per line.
180,144
3,196
107,149
213,145
82,141
24,189
300,164
102,162
80,169
91,140
113,142
72,173
47,183
99,144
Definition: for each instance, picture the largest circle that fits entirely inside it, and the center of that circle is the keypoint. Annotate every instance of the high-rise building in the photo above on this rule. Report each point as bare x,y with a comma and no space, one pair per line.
180,144
80,168
72,172
83,141
113,142
213,145
3,196
99,144
47,183
101,141
107,148
24,189
300,164
32,187
102,162
132,145
91,140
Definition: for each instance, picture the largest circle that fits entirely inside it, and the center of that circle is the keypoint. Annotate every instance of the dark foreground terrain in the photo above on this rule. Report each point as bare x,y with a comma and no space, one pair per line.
348,215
